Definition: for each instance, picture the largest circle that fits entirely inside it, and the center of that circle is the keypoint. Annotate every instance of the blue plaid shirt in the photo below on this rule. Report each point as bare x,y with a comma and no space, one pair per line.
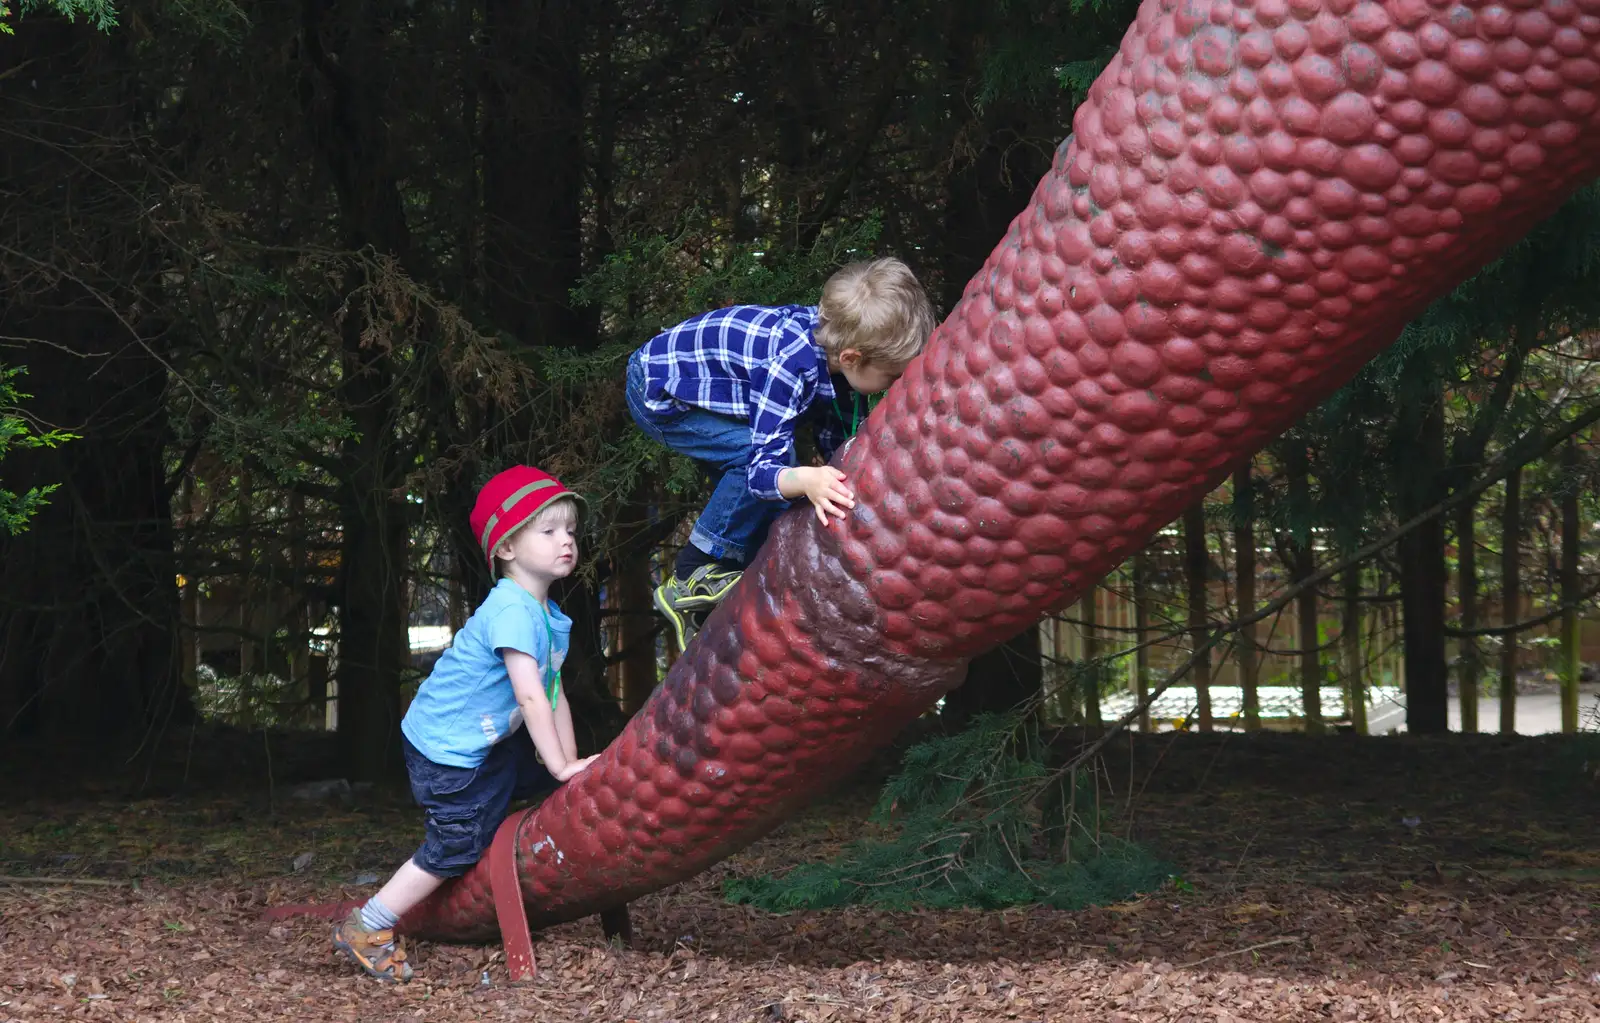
752,362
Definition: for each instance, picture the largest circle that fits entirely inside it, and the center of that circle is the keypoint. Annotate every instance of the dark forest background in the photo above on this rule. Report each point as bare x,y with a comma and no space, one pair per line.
282,283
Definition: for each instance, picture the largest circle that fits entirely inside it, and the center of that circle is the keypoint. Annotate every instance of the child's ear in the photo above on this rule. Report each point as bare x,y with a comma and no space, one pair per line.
851,358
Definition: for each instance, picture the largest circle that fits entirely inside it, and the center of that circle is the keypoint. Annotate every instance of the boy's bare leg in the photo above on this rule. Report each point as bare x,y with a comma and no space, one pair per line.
409,886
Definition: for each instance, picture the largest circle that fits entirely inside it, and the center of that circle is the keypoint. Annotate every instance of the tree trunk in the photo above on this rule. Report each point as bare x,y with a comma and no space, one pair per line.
1467,594
1302,564
583,676
373,563
1422,595
89,604
1063,699
188,637
1093,723
345,96
638,628
245,592
1510,597
998,681
89,660
993,178
456,608
373,644
1424,578
532,89
1309,640
1197,574
1355,683
188,597
607,121
1244,561
1571,534
317,698
299,651
663,566
1141,635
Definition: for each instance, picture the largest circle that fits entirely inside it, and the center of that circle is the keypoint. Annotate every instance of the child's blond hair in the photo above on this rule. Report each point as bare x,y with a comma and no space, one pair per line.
564,505
877,308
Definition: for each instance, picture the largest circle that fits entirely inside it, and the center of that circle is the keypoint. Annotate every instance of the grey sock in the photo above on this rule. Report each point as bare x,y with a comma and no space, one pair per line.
375,916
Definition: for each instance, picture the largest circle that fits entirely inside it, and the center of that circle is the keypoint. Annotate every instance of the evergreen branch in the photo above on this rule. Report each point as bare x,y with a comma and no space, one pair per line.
1530,623
185,463
315,491
857,157
945,860
1469,447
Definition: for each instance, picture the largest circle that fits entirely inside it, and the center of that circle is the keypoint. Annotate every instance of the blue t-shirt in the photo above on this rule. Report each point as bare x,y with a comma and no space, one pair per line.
467,705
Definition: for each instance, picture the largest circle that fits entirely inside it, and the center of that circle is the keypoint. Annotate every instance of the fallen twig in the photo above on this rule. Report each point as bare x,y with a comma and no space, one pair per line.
1242,855
107,882
1242,951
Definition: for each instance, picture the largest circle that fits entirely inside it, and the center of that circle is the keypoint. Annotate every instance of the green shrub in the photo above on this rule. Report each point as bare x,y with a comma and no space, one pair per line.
983,822
16,432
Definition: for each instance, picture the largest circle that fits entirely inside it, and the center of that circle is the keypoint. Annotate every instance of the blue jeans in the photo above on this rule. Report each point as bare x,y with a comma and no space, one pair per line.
735,521
465,805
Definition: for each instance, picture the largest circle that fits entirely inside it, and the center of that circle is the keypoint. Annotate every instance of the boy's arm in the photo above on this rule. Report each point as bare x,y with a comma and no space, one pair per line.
539,716
569,742
774,408
784,394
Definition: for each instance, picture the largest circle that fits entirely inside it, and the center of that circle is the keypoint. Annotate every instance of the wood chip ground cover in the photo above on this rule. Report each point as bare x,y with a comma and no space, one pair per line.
1308,895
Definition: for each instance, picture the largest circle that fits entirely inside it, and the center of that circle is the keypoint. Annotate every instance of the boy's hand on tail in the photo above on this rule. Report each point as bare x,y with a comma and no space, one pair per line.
574,768
822,485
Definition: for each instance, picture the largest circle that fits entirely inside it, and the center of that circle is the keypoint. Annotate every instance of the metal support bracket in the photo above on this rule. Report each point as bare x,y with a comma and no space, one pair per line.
508,906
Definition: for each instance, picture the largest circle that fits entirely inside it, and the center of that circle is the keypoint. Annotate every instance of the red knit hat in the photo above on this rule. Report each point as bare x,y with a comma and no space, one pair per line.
509,500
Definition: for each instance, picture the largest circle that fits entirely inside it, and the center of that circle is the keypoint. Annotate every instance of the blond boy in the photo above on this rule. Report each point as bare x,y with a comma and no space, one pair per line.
728,388
491,703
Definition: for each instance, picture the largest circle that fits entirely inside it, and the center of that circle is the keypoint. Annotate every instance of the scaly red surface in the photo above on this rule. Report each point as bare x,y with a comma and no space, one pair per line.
1255,199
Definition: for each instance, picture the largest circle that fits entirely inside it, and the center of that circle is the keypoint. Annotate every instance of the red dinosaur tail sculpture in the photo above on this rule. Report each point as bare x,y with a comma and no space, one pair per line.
1256,196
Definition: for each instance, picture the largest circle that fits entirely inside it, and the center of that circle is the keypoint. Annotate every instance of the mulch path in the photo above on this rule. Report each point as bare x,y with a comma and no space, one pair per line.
1319,880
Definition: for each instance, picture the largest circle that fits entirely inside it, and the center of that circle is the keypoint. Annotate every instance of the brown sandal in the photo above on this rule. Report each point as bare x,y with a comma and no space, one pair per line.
379,953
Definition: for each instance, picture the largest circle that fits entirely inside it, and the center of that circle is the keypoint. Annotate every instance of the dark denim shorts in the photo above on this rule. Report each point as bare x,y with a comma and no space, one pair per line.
734,522
465,805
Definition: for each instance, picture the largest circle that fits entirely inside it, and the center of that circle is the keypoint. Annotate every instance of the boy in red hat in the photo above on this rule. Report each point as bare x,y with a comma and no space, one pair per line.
490,711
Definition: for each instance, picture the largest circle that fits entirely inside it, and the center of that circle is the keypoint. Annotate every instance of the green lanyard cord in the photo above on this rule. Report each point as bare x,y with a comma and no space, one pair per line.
553,687
853,423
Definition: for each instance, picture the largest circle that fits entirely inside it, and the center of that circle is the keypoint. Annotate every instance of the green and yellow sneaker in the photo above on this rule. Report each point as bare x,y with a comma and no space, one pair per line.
677,599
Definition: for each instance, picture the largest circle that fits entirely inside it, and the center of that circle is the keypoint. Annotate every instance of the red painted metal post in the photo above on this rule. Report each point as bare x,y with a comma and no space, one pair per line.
508,905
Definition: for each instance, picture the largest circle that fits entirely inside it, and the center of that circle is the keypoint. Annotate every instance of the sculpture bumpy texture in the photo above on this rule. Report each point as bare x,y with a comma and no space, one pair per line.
1256,197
